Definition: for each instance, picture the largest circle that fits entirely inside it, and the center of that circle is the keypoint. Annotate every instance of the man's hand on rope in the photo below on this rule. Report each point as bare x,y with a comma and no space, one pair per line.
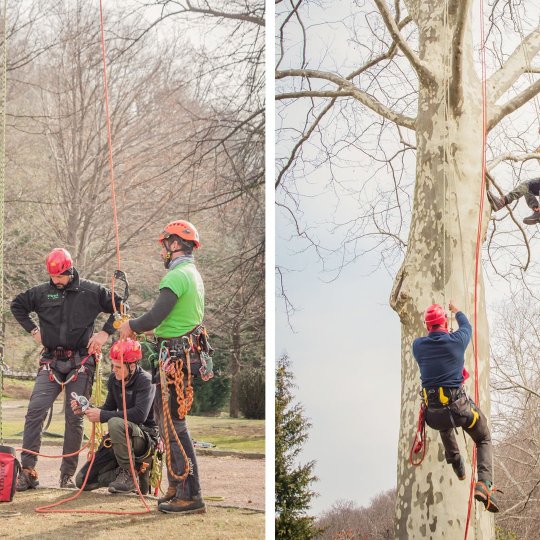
93,414
125,330
97,341
452,307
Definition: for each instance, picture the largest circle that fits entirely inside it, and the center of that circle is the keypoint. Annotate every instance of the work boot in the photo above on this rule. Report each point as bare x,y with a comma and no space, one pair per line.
484,492
496,202
27,479
459,468
169,495
123,484
66,481
195,505
533,218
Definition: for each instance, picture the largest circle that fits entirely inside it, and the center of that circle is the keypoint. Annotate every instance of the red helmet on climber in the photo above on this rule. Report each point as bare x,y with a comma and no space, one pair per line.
435,316
129,351
59,262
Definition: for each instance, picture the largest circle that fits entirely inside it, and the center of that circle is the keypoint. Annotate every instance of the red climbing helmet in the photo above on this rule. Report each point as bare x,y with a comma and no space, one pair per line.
181,228
435,316
129,351
58,261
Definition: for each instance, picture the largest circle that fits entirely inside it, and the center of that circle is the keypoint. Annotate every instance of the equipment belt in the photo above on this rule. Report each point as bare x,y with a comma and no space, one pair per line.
442,396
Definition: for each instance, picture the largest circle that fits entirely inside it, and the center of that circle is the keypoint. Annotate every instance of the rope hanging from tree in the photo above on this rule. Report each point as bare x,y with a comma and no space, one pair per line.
51,508
2,192
479,243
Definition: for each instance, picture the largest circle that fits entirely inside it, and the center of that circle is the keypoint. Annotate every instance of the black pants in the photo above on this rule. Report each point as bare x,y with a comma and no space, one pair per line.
462,412
43,396
190,487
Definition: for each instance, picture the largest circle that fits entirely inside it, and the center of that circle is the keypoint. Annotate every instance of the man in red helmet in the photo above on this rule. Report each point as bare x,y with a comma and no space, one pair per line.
112,465
66,307
176,317
441,358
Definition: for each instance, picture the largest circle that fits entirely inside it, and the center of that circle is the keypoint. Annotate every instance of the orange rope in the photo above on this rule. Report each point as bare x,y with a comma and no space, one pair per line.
56,456
109,145
109,137
478,247
51,507
176,377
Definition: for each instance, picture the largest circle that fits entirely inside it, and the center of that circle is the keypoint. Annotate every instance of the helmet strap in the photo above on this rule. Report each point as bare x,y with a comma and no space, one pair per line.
170,252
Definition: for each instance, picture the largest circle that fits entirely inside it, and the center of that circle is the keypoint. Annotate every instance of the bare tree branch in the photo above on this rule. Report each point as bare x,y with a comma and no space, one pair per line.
515,66
358,94
498,113
420,67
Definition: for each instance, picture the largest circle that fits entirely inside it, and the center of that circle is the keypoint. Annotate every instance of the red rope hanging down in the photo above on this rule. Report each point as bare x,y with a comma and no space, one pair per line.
478,247
50,508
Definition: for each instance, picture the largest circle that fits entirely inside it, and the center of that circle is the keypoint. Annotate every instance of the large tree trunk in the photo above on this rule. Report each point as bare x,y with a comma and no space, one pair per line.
439,266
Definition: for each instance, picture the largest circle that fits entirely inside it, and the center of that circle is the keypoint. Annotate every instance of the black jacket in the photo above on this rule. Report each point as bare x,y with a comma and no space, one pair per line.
140,394
66,317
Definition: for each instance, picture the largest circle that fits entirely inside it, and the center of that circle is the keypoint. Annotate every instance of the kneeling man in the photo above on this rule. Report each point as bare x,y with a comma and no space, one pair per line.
111,465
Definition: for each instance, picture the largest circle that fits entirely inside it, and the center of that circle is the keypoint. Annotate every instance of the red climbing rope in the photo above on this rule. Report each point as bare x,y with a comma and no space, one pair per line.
478,246
50,508
109,136
419,443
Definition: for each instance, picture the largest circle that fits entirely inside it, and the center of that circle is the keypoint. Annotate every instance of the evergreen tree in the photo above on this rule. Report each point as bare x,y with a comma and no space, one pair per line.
293,492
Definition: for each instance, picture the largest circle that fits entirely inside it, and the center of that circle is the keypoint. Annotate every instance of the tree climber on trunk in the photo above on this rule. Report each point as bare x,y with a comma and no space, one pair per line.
529,189
441,358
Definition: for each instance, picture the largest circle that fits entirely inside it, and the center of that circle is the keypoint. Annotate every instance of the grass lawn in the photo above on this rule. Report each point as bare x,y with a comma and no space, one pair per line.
230,434
222,523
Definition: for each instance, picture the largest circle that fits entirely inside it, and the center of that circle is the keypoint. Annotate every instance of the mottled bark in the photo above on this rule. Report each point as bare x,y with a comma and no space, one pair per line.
439,266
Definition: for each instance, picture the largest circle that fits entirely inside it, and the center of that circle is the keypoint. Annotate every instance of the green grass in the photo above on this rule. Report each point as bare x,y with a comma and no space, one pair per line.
228,434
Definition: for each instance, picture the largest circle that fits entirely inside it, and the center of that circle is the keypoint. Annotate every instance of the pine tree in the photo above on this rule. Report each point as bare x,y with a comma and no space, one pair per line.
293,492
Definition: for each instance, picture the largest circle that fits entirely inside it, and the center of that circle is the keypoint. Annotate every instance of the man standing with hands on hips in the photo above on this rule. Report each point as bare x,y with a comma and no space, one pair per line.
67,307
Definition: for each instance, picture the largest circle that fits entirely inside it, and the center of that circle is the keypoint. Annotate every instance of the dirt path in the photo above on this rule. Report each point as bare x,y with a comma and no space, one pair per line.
239,481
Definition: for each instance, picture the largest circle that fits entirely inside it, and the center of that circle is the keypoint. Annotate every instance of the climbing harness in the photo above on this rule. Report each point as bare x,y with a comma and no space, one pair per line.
175,377
48,364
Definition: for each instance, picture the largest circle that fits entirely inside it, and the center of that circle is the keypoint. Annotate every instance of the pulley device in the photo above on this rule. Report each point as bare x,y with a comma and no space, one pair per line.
81,400
120,314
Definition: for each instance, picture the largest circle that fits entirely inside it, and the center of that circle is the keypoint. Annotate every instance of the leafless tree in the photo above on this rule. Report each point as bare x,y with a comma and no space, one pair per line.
393,114
184,145
346,521
516,421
